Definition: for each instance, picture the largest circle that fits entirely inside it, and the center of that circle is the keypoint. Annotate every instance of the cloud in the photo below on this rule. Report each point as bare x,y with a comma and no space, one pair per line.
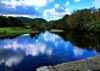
78,52
77,0
28,48
38,48
25,8
36,3
19,15
13,51
10,58
51,37
57,5
19,10
67,3
13,61
96,3
55,13
33,9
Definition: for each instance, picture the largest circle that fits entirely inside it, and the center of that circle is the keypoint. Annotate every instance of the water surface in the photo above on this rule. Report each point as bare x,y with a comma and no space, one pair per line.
26,53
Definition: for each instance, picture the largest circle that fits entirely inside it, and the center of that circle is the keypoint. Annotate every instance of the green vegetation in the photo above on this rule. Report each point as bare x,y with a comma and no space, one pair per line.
10,22
10,32
80,20
38,24
83,39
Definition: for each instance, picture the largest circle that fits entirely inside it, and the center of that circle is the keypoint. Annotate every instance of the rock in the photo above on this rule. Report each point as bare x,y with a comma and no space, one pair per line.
90,64
44,68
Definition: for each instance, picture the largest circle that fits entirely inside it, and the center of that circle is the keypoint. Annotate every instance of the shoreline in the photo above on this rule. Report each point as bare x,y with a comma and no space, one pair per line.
89,64
14,32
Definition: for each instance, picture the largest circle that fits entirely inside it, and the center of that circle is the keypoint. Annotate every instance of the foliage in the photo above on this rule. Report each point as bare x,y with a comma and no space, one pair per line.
85,19
10,22
38,24
8,32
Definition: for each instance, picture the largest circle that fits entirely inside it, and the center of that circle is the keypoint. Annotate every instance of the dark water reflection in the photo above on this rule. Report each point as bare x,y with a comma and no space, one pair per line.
26,54
88,40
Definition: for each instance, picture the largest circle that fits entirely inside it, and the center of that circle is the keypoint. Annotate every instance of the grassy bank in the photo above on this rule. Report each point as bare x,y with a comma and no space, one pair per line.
10,32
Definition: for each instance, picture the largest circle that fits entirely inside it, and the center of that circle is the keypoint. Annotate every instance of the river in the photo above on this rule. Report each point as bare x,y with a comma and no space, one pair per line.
26,53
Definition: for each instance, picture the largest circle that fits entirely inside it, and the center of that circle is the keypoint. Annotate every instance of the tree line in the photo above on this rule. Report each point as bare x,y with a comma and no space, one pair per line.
85,19
10,22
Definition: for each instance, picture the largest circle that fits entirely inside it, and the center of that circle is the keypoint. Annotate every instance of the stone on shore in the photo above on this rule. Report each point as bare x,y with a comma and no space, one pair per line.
90,64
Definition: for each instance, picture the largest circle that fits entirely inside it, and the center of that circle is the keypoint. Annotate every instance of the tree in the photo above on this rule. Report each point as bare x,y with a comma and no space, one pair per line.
10,22
35,24
3,21
79,19
14,22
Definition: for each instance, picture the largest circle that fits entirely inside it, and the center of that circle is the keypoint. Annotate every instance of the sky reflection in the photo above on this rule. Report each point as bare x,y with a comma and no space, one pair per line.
50,48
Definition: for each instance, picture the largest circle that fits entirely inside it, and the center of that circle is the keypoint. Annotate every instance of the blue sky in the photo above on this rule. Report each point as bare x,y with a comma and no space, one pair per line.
47,9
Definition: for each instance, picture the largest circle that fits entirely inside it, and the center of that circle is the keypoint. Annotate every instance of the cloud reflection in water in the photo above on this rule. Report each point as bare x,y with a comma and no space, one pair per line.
13,51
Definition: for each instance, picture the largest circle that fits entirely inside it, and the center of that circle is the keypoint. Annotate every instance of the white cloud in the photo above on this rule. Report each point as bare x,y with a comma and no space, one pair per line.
36,3
36,49
50,37
55,13
97,3
78,52
77,0
57,5
13,61
13,50
14,45
10,59
17,15
29,48
67,3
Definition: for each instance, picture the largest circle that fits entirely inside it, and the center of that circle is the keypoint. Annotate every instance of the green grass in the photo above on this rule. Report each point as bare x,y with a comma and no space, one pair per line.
7,32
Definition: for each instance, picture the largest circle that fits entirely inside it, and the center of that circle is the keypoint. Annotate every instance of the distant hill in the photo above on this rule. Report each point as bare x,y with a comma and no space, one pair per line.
40,20
26,20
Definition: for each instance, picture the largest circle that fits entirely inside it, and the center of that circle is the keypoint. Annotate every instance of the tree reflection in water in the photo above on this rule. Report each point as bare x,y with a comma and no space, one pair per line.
88,40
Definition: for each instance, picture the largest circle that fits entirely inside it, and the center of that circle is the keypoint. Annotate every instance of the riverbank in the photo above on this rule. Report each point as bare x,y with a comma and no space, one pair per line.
56,30
89,64
11,32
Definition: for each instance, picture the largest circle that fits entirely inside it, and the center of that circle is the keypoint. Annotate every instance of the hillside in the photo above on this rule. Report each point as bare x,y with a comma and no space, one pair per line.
25,20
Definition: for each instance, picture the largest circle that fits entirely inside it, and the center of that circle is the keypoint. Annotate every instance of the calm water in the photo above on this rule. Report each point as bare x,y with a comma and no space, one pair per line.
26,53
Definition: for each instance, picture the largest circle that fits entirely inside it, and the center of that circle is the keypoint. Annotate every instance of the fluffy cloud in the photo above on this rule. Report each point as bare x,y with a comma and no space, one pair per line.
57,5
32,9
67,3
28,48
10,59
97,3
12,51
55,13
78,52
19,11
77,0
36,3
25,8
36,49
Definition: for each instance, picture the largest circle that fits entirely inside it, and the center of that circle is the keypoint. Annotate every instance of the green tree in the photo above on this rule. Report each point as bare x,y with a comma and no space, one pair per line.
35,24
14,22
3,21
